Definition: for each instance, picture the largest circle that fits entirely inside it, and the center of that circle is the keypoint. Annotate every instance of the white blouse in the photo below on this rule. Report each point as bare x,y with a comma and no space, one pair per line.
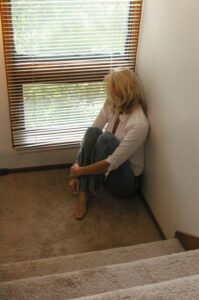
131,132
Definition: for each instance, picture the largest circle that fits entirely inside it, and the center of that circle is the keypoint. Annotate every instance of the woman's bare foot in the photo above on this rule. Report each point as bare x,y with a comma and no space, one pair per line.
80,209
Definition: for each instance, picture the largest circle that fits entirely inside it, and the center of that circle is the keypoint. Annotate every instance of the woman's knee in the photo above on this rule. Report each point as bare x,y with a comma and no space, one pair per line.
92,134
108,138
93,131
105,145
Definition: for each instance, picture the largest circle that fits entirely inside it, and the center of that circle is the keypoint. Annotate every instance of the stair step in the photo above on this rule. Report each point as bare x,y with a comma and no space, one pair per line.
87,260
102,279
186,288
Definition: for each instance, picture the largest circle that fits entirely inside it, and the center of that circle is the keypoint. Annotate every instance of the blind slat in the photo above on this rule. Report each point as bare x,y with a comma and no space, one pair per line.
57,54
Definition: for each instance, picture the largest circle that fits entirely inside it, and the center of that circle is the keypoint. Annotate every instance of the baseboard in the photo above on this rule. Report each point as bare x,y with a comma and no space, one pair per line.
188,241
4,172
157,225
31,169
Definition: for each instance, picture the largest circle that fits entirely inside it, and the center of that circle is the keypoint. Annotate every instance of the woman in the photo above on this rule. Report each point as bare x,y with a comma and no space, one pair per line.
115,157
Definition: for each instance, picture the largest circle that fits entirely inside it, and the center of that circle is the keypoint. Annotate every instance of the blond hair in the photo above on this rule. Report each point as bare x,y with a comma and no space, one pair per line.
123,91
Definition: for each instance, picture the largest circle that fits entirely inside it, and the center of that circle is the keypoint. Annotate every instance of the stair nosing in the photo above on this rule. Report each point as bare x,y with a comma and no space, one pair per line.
162,257
137,287
81,254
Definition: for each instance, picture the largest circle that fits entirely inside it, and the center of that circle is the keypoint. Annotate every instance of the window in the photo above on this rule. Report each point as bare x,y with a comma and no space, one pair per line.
57,53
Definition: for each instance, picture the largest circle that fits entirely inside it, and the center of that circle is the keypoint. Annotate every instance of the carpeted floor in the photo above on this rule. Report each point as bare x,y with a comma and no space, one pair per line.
36,219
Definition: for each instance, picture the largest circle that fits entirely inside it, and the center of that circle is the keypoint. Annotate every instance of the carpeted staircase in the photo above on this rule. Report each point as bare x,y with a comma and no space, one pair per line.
157,270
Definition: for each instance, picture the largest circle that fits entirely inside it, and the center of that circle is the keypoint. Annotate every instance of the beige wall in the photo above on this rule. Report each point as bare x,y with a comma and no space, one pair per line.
8,157
168,65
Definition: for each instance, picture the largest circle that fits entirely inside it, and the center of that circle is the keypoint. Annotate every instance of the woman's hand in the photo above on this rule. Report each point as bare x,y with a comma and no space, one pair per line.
74,171
99,167
74,186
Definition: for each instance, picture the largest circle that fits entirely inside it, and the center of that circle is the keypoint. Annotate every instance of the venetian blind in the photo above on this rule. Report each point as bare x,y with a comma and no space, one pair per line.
57,53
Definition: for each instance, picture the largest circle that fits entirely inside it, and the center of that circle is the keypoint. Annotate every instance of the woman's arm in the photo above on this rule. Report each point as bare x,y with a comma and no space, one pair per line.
132,141
102,117
99,167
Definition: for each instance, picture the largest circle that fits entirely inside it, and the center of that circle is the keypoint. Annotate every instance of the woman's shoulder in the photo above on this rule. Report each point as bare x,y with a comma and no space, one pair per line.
137,116
137,122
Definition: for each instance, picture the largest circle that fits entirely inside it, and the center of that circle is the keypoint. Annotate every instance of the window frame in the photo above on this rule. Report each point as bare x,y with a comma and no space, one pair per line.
37,73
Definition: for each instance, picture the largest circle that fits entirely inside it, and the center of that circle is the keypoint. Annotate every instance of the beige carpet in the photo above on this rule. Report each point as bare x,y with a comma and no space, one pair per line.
186,288
108,278
36,219
87,260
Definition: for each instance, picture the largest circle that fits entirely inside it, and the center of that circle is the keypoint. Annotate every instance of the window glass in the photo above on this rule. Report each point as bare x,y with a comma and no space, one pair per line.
62,105
49,28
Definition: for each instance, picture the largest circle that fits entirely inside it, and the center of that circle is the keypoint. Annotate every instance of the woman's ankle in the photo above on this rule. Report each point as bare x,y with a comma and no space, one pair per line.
80,209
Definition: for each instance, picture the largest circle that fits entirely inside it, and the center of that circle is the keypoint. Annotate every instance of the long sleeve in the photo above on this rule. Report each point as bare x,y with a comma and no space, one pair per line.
102,117
132,141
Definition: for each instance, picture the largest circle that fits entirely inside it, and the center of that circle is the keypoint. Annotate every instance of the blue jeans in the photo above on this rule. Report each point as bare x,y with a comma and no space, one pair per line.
98,146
